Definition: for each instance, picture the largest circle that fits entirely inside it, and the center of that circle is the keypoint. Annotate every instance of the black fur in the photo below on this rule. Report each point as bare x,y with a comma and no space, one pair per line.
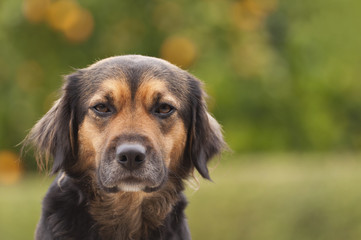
66,207
65,215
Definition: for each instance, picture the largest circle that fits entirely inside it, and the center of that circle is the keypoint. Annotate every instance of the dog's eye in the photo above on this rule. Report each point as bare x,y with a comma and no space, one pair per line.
164,110
101,109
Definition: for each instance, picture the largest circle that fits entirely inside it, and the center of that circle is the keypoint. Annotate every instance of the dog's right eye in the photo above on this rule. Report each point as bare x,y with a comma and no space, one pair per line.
101,109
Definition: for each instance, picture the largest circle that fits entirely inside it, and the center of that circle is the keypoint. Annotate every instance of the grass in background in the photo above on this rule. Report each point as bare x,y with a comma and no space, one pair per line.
256,197
280,198
20,207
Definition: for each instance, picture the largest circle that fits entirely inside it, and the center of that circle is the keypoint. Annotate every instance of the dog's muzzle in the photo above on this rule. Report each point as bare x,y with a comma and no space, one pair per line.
132,163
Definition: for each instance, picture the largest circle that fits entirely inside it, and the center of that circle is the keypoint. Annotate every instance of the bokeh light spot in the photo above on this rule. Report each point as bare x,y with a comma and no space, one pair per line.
243,18
66,16
78,25
260,8
10,168
35,10
180,51
58,13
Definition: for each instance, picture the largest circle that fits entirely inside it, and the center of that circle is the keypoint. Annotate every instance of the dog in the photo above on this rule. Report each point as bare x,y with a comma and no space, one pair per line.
125,134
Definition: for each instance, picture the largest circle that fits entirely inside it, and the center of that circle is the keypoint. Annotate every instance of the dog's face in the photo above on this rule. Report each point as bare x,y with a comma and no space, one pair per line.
132,136
130,122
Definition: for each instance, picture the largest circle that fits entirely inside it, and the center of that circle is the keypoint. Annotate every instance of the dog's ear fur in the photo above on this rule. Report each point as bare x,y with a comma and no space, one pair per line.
55,135
205,139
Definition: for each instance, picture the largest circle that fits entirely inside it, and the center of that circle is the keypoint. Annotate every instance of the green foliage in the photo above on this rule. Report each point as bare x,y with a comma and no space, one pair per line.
282,75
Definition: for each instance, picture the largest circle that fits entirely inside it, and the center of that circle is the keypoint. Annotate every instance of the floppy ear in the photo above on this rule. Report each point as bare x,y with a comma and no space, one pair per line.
205,139
55,135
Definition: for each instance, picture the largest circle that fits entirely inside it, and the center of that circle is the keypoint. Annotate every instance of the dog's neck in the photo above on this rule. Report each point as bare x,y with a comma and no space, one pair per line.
130,215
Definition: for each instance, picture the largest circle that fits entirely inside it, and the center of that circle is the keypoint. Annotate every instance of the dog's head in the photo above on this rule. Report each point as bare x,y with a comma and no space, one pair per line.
130,121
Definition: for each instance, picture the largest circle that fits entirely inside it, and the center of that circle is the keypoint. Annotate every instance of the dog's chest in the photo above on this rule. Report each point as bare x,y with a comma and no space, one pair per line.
129,216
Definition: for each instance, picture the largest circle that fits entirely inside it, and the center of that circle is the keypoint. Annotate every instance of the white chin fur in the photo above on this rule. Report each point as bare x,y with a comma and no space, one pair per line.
131,187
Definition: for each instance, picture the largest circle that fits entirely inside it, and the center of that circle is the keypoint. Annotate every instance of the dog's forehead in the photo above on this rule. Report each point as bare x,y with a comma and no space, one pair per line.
136,71
133,66
132,60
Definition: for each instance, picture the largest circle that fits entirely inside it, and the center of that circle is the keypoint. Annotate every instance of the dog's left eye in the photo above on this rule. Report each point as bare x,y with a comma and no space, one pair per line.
164,110
101,109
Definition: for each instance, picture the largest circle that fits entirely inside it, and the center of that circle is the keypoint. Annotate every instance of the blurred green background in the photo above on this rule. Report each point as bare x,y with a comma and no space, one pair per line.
283,79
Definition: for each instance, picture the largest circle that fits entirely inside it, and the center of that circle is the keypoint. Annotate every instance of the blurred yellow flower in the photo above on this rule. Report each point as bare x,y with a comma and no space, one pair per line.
251,14
243,18
180,51
66,16
10,168
78,25
260,8
35,10
58,13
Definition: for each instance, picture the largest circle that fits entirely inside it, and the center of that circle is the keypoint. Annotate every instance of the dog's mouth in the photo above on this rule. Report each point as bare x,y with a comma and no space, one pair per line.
132,184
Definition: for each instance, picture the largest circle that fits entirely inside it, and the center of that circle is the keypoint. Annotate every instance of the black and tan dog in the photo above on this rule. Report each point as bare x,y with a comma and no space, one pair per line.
125,134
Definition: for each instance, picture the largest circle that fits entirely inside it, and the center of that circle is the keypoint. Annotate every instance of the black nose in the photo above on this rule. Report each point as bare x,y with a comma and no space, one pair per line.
130,156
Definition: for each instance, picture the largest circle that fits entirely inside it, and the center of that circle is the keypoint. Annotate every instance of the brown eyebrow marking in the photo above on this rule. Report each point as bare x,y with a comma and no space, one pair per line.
155,91
114,91
106,98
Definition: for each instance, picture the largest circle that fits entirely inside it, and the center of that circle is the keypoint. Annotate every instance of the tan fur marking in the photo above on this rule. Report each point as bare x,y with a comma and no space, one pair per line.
150,87
173,141
91,138
88,140
118,88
